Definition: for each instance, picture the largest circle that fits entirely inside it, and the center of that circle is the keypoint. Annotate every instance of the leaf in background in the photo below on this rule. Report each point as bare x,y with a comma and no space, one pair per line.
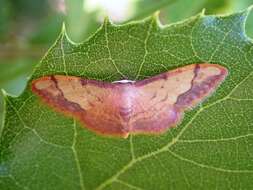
147,7
23,40
80,24
4,20
13,77
211,148
186,8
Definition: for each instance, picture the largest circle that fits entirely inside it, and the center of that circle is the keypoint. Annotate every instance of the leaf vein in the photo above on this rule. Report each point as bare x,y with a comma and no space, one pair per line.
207,166
145,49
81,182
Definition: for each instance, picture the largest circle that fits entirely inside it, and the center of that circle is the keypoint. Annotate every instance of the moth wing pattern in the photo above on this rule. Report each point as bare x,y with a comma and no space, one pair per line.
148,106
163,98
92,102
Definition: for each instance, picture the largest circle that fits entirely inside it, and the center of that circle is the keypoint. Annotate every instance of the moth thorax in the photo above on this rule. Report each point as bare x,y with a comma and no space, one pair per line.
124,81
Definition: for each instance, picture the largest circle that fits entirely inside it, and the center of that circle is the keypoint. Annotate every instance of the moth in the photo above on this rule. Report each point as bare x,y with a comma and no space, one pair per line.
120,108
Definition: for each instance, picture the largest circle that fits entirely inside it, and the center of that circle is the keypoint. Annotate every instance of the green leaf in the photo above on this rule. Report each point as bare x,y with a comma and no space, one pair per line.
13,75
146,7
186,8
79,22
211,149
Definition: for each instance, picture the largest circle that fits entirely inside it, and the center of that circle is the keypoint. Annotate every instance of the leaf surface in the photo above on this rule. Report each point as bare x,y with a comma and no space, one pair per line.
211,149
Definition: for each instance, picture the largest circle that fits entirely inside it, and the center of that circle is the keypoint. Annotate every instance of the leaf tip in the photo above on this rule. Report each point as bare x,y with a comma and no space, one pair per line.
249,9
64,33
245,12
107,21
156,19
4,93
156,14
63,28
203,12
243,15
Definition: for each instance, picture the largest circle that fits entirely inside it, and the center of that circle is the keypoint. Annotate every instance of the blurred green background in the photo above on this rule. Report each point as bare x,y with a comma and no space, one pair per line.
29,27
